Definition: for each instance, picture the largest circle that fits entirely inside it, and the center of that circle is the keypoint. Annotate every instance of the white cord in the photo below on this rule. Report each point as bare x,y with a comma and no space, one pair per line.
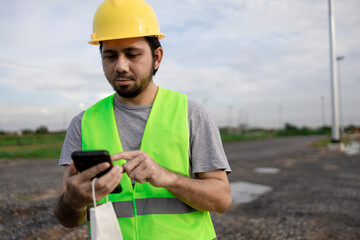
93,190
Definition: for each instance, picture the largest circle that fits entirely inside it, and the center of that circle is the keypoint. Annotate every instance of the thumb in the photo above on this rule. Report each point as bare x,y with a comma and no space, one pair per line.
73,171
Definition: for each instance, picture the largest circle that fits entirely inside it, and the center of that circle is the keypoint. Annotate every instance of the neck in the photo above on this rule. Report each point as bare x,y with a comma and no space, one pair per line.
146,97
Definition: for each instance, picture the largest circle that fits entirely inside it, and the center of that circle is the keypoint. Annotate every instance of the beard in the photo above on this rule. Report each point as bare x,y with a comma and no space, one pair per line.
133,90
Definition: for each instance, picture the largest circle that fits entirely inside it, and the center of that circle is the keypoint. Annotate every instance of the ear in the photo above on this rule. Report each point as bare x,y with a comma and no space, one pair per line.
158,57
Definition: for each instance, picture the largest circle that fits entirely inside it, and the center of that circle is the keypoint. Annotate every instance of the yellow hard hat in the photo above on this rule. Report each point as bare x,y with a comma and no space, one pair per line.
117,19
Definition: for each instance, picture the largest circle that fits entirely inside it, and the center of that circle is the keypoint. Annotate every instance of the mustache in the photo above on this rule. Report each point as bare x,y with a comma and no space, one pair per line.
124,76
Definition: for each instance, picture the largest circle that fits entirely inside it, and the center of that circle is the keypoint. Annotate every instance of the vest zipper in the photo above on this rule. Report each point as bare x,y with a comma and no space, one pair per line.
135,214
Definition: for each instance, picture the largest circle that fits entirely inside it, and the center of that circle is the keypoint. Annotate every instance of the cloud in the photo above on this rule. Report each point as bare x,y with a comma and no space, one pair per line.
254,55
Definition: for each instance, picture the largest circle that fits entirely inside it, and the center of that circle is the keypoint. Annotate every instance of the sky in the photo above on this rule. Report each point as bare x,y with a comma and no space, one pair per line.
259,62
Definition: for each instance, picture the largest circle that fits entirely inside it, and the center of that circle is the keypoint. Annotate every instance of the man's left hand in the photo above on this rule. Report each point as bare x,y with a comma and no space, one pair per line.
209,192
141,168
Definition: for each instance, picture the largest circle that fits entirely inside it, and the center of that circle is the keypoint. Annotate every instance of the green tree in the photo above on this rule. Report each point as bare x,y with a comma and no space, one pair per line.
27,131
291,128
42,130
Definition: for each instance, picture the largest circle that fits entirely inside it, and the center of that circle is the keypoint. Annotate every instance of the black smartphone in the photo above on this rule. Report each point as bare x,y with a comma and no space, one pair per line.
87,159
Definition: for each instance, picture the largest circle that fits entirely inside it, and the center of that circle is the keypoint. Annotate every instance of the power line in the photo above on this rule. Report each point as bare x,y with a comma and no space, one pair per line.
9,63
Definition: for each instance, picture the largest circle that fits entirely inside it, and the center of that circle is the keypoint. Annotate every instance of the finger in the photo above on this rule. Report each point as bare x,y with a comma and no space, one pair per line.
141,176
116,157
138,173
115,172
72,169
108,182
129,155
113,178
93,171
131,165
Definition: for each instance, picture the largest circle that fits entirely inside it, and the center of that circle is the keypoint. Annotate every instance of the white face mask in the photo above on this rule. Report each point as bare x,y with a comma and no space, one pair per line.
103,221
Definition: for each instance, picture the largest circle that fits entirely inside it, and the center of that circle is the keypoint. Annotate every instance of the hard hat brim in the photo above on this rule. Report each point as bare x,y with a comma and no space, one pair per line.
97,41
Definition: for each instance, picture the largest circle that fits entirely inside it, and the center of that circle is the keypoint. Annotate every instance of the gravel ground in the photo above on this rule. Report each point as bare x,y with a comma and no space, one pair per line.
316,195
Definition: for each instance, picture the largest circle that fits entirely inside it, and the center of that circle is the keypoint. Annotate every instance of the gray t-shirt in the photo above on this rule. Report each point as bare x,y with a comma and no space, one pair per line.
206,151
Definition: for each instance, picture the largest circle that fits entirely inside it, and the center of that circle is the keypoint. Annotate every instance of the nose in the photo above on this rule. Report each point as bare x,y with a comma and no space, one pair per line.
121,64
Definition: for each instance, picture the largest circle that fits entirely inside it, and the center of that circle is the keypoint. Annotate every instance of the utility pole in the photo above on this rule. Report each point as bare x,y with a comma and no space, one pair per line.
280,117
64,120
240,118
255,119
323,111
230,119
335,135
240,122
342,128
246,118
205,102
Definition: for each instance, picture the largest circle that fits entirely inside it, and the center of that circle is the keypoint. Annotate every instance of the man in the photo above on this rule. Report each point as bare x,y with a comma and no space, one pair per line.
167,153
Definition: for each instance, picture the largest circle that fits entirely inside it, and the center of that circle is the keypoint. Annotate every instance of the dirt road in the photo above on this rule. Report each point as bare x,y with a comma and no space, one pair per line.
315,195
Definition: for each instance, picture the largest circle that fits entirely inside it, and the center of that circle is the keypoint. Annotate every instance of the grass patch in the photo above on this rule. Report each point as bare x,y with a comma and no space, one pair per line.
322,142
31,139
32,146
248,136
48,146
255,134
24,198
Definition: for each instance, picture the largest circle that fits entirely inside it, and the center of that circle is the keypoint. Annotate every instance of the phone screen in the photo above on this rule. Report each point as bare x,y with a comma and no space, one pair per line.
87,159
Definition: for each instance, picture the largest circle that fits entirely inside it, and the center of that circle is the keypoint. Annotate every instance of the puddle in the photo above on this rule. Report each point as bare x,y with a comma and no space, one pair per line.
352,149
244,192
267,170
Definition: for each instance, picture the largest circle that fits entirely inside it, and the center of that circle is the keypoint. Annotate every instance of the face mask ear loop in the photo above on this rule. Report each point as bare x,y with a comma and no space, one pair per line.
93,190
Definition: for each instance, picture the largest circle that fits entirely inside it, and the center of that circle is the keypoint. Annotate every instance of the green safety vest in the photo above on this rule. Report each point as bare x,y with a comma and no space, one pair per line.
145,211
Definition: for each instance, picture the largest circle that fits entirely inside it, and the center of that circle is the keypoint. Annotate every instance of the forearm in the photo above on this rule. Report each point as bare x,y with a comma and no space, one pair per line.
210,194
68,216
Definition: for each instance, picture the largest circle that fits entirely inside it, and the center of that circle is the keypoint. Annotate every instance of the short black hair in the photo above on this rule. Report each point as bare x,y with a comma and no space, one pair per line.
153,42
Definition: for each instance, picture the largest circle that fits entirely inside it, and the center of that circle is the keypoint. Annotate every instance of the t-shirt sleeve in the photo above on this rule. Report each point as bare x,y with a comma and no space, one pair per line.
206,149
72,140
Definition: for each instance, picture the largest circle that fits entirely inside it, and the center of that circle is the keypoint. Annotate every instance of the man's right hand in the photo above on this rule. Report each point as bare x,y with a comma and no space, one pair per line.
77,193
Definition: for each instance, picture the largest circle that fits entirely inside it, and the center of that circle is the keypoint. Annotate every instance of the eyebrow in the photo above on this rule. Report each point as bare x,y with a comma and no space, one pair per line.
108,51
128,49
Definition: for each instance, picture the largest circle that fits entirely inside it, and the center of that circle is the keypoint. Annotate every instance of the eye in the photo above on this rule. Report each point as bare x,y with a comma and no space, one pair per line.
109,56
132,55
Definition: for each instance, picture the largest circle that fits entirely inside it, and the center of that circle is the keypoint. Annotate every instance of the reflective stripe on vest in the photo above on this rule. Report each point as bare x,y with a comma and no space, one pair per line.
145,211
151,206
